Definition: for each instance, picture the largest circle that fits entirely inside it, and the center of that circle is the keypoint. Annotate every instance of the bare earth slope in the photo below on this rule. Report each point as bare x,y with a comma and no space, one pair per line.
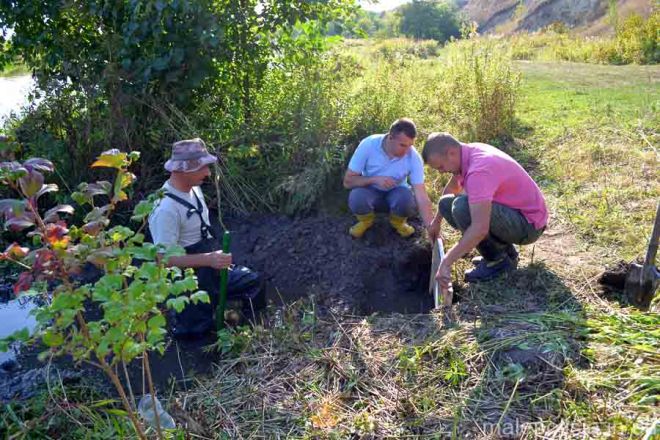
531,15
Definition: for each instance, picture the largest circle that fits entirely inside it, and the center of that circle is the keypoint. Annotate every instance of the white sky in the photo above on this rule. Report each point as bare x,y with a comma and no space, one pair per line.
381,5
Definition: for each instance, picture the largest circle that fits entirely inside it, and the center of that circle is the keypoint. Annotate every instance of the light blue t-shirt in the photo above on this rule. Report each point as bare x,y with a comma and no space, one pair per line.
370,159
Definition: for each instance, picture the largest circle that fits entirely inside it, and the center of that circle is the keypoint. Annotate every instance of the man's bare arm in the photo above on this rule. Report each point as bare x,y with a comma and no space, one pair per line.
356,180
216,260
424,204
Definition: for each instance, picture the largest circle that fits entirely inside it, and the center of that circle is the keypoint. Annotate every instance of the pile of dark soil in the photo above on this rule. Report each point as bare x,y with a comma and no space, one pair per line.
381,272
614,277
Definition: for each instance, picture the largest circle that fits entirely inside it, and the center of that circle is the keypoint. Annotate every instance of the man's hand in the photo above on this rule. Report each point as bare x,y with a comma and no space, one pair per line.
384,182
443,276
218,260
434,230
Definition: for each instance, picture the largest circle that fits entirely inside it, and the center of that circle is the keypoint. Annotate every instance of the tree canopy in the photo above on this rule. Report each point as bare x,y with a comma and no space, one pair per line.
436,20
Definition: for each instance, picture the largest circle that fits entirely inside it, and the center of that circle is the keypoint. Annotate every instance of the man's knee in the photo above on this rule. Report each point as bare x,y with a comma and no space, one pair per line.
444,206
360,201
460,212
402,202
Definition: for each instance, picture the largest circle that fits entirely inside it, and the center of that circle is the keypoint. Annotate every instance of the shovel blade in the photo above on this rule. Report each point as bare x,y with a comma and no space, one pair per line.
641,285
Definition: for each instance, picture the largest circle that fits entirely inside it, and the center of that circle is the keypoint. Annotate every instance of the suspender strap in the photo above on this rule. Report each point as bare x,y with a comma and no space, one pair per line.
204,228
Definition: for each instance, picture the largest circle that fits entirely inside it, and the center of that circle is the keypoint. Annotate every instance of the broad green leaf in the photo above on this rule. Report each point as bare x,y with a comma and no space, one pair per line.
142,210
120,233
200,296
52,339
111,159
178,303
173,251
156,321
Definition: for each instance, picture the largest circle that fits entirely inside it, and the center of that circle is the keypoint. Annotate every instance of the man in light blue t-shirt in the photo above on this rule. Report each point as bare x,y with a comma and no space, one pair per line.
380,175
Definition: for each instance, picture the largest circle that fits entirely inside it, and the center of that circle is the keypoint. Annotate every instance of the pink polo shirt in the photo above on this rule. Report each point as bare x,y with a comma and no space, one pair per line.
489,174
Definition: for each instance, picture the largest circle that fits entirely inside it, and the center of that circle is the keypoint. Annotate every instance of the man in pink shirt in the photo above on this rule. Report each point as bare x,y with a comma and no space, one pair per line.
490,198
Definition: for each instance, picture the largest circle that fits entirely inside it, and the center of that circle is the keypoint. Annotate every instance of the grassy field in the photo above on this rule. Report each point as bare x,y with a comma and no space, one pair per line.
594,132
540,353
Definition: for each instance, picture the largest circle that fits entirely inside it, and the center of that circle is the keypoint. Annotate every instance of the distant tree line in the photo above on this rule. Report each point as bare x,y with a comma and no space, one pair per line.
438,20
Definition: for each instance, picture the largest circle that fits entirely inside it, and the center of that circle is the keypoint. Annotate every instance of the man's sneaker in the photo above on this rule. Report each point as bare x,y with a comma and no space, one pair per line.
510,251
488,270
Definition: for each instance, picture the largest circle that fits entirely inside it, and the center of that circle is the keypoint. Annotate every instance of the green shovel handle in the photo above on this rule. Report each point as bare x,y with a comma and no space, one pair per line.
224,277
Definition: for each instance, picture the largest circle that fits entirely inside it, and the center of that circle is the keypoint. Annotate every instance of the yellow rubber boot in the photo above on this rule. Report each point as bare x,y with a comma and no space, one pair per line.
401,225
364,222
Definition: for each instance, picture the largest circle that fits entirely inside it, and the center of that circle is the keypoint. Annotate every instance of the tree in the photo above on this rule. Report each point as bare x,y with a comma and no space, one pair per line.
437,20
112,71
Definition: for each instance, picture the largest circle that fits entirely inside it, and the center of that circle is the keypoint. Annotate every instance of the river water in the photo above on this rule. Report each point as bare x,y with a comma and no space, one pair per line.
14,314
14,93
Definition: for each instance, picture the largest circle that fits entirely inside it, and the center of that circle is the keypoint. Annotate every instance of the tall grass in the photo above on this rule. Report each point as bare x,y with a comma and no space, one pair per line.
309,119
635,42
479,91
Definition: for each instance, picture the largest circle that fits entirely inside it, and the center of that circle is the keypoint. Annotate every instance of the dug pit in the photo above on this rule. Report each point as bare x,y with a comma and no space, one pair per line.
381,272
312,255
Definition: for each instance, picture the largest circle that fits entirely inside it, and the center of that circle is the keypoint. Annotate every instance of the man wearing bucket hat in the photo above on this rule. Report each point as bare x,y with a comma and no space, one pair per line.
182,218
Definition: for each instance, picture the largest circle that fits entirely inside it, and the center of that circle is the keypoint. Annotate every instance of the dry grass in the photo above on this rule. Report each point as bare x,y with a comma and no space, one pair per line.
534,355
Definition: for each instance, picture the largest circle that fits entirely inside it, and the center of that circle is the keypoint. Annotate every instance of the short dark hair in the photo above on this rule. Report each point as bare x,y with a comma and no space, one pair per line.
439,143
405,126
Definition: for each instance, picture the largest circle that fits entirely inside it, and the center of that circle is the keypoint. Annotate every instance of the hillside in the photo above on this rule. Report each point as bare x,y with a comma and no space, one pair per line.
589,16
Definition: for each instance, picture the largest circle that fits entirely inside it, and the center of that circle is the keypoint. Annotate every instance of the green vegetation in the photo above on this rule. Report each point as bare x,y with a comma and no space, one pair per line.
14,69
140,75
131,297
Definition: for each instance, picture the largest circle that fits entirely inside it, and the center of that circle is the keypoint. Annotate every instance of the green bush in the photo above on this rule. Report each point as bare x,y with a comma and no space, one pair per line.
637,39
124,73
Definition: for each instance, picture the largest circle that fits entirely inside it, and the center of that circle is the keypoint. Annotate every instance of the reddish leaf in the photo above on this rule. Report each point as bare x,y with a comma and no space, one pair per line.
31,183
50,187
24,282
16,251
18,223
100,256
39,164
102,187
51,214
56,234
94,227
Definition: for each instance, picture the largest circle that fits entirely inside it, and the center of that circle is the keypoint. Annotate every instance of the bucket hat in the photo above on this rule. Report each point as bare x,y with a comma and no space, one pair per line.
188,156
